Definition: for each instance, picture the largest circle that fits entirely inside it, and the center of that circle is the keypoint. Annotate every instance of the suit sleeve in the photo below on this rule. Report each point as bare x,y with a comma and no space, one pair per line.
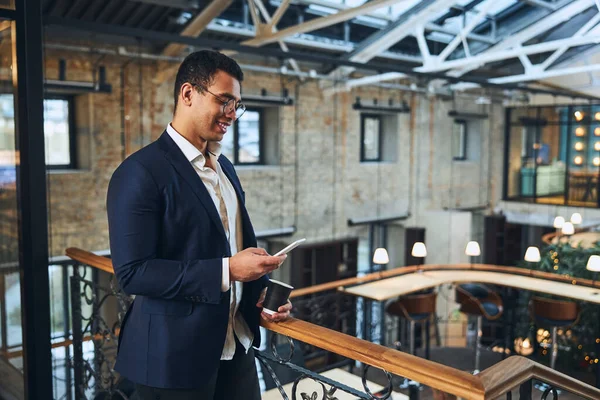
135,210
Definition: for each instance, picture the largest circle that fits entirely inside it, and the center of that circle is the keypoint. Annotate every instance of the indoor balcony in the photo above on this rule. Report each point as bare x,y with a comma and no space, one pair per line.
340,332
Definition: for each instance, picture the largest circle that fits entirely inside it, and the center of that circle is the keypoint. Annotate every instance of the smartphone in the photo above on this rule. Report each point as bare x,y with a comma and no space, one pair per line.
290,247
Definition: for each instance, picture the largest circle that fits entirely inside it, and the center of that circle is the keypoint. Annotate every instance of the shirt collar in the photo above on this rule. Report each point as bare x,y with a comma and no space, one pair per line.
189,150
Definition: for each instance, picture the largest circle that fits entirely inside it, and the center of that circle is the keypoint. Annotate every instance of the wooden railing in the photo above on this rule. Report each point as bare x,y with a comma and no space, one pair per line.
489,384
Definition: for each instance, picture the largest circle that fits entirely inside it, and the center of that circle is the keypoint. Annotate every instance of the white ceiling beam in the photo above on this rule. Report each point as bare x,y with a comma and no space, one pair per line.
485,57
560,16
282,45
541,4
380,42
582,31
545,74
366,80
466,30
279,13
314,44
198,24
319,23
422,42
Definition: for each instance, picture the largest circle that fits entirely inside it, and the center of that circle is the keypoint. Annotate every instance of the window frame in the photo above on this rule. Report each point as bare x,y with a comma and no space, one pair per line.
463,138
363,117
261,136
70,99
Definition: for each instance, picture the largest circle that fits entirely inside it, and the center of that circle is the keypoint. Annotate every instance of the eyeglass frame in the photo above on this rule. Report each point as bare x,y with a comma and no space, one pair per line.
226,102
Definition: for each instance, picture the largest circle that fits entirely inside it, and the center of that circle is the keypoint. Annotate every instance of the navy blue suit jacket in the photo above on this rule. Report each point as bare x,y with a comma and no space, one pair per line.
167,243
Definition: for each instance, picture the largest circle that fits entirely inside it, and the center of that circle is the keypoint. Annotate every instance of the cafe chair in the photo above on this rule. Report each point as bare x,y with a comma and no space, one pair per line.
554,314
481,302
415,308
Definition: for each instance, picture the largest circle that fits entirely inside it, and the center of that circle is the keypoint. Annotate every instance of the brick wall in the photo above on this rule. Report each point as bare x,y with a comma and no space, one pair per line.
319,182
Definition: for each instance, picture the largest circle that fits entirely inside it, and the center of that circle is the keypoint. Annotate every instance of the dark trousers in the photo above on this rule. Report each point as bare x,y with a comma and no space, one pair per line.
235,379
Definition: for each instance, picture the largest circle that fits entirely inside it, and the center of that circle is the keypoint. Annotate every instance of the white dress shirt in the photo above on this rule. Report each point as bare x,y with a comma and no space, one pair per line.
220,189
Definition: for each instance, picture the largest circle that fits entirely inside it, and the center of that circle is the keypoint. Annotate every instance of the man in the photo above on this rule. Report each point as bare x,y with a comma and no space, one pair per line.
182,242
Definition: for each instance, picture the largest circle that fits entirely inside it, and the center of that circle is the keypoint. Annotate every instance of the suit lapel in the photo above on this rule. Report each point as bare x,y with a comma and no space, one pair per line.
184,168
249,238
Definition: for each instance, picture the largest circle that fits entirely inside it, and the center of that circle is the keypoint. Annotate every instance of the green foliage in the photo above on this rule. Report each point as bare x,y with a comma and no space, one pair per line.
580,347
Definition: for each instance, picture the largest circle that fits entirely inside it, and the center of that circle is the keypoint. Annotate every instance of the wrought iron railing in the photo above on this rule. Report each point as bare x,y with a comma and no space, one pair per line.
94,376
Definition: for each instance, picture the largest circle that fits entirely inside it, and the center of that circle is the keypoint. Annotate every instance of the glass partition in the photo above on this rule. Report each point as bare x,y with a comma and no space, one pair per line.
553,155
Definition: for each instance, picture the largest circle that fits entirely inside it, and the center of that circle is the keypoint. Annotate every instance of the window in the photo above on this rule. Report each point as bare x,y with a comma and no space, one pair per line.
245,145
370,137
459,140
59,132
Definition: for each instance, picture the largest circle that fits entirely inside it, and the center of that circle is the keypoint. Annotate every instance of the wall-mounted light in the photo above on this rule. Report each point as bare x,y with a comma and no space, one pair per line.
597,131
597,146
580,131
389,108
579,146
596,161
579,115
597,116
463,115
265,99
578,160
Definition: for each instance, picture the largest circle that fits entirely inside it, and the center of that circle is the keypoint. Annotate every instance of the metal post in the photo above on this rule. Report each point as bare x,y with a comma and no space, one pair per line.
412,337
554,347
3,314
78,368
478,343
27,70
427,339
598,352
525,390
67,329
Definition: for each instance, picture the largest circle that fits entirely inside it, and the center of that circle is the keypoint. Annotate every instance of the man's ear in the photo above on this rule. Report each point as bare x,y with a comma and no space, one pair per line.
186,93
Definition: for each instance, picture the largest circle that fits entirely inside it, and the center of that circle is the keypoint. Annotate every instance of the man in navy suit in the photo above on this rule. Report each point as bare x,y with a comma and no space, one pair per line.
181,241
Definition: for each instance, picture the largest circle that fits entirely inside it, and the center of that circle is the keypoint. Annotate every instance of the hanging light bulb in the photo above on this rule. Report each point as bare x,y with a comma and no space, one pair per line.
532,254
579,146
473,249
578,115
559,222
419,250
576,219
568,228
381,256
580,131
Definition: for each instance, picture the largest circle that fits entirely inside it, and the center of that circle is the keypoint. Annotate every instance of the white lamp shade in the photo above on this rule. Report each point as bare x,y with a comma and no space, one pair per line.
559,222
381,256
532,254
472,249
568,229
419,250
576,219
593,264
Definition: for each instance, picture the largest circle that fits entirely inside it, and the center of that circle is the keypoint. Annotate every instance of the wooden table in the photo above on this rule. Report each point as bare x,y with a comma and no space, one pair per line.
308,385
400,285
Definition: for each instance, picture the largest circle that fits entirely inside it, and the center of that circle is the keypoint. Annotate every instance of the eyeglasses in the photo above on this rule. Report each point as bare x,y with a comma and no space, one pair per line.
229,105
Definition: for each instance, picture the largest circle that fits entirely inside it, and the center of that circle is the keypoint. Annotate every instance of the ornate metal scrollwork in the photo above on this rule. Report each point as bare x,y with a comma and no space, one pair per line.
548,391
388,391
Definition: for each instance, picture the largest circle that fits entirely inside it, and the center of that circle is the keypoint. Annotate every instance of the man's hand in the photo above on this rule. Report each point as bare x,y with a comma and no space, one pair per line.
282,313
252,263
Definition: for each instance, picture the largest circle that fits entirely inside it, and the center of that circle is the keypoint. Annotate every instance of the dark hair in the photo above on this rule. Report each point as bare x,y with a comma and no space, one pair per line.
199,69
